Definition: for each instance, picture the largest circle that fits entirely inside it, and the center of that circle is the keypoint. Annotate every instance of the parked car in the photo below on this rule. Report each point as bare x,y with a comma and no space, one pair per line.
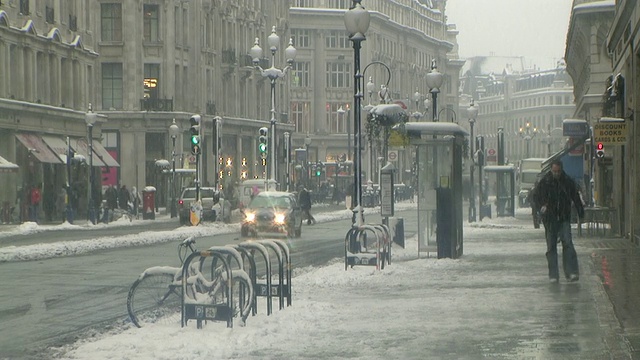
272,211
210,204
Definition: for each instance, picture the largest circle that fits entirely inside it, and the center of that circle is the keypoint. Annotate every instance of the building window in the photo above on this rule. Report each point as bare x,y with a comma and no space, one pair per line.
300,74
24,7
300,115
301,38
49,15
151,23
303,3
340,4
337,40
338,74
151,81
111,22
112,86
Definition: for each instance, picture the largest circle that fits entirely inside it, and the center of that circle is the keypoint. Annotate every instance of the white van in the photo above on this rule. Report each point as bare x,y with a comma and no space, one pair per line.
246,189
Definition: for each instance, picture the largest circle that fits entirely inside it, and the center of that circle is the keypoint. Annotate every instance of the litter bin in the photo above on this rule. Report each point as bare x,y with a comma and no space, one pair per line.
398,237
148,203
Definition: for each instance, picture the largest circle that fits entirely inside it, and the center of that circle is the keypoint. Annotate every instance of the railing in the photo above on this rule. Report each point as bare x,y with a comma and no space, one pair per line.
229,56
49,14
73,22
156,104
211,108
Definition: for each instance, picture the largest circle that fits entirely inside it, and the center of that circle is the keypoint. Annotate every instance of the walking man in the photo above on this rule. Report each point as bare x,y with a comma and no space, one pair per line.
304,198
553,196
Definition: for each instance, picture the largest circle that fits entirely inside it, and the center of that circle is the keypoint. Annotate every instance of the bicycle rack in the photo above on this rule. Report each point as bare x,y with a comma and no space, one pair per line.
232,252
260,291
200,312
246,254
356,251
268,288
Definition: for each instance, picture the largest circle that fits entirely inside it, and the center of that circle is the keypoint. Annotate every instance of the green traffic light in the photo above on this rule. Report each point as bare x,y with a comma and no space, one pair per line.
318,173
262,147
195,140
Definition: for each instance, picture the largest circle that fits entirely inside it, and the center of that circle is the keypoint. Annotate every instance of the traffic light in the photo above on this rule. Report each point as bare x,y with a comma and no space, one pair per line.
600,150
319,167
195,134
263,142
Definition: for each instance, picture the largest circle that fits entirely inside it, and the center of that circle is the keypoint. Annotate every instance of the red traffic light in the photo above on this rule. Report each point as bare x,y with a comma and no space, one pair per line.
600,146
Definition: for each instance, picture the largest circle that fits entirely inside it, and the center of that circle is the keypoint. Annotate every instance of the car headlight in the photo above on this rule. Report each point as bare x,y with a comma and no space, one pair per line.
279,219
251,217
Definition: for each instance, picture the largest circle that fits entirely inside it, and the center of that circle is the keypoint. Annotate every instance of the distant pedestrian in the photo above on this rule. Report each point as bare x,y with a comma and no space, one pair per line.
136,200
35,198
553,196
61,204
304,200
123,198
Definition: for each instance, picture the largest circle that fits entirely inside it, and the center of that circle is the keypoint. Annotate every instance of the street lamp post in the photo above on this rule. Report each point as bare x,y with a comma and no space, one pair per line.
384,98
174,131
90,118
416,98
472,111
356,21
435,79
273,74
307,142
527,134
341,112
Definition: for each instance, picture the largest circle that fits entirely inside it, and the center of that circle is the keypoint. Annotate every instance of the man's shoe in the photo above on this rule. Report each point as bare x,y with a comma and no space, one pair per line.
573,278
553,280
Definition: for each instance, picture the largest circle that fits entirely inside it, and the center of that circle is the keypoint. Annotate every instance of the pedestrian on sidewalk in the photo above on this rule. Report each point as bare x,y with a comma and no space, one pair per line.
304,198
553,195
34,203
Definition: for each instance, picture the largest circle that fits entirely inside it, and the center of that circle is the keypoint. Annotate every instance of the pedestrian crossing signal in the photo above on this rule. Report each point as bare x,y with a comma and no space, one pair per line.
600,150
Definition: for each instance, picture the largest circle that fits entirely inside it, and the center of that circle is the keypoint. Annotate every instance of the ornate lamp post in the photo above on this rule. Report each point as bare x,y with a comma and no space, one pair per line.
174,131
435,79
427,106
472,111
90,118
307,142
356,20
273,74
416,98
341,112
527,134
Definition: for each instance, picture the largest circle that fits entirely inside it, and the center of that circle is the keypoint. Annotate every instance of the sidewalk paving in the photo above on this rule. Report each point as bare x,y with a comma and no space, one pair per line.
495,302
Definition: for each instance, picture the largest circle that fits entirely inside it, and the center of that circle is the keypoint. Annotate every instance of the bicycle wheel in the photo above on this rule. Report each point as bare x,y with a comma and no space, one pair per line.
154,299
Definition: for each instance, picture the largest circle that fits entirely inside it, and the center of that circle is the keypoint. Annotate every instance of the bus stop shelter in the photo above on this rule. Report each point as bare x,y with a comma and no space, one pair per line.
439,152
505,188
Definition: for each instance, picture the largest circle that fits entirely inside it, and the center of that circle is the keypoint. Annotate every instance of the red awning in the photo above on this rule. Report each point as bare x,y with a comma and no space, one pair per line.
38,148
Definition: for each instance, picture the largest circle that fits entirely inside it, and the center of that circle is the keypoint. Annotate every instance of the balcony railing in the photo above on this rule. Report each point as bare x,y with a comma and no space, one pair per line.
73,22
24,7
49,14
156,104
211,108
229,56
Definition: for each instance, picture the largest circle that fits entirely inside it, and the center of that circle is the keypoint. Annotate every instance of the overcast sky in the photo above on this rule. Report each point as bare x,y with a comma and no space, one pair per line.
530,28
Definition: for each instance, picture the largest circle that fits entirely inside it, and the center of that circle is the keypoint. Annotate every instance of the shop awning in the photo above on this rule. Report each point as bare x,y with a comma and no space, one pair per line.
7,166
38,148
58,145
81,147
104,155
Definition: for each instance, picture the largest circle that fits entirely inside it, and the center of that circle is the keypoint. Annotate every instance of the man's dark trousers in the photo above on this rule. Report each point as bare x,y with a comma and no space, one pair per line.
561,229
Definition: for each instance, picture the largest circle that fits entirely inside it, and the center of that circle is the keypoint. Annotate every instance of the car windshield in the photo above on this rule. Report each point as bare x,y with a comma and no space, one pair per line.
281,202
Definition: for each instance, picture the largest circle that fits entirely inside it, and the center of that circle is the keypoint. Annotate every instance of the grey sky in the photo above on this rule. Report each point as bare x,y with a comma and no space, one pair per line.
536,29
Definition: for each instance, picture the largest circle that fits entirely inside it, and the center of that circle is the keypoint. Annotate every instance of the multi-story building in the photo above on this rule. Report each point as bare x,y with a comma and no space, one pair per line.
589,64
140,65
620,101
403,38
528,104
